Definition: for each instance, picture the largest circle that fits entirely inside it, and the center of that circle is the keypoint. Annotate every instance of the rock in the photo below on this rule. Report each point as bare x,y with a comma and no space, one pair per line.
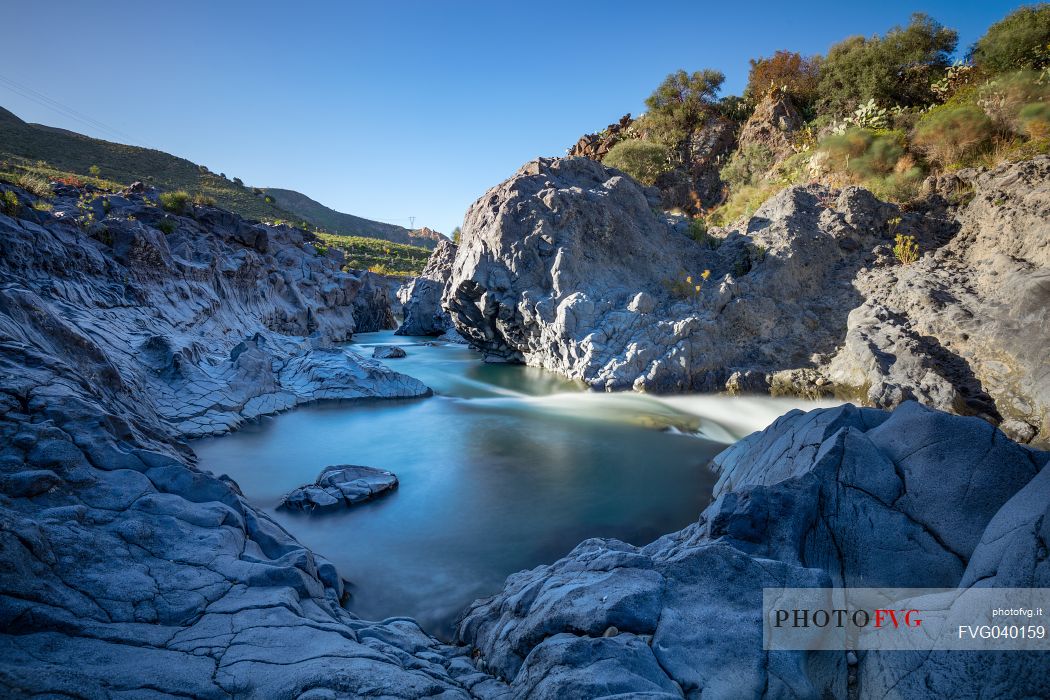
387,352
424,314
372,305
809,502
596,146
543,277
340,486
567,266
126,568
772,125
966,329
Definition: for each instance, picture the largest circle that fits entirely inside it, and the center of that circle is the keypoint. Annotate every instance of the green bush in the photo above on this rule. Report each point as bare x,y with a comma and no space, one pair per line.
1019,40
876,160
742,203
1035,120
897,69
643,160
682,102
747,166
175,201
202,200
950,133
9,203
1004,97
863,152
167,226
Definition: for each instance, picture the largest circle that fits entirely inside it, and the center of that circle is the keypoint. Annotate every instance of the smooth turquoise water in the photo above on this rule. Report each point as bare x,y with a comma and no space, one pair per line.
505,468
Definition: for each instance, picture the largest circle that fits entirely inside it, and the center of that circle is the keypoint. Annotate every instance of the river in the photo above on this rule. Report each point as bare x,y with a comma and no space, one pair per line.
504,468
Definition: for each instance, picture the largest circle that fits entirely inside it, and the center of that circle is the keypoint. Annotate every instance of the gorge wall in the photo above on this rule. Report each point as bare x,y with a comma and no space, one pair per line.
572,266
126,569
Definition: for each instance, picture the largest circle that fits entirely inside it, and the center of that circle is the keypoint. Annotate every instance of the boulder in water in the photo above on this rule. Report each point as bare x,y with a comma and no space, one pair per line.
340,486
388,352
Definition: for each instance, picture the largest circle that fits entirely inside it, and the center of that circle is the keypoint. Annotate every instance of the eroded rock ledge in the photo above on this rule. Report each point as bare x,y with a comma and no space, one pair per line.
844,497
124,569
571,266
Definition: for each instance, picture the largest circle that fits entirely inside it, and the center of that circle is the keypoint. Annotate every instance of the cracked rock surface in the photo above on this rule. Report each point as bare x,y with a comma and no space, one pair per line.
126,570
817,499
569,265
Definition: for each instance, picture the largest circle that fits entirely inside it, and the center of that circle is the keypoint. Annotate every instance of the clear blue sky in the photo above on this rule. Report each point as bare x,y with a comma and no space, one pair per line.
396,109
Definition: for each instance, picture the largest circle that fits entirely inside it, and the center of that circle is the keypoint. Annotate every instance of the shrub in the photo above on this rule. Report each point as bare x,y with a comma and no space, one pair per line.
898,68
747,166
1017,41
41,205
456,233
94,171
877,160
742,203
35,184
698,232
681,103
788,71
949,133
1035,120
167,226
268,199
1004,97
863,152
643,160
175,201
202,200
906,249
9,203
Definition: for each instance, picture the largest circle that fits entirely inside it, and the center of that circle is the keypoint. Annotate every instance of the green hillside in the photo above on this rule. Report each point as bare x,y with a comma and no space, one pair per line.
384,257
52,152
347,224
23,145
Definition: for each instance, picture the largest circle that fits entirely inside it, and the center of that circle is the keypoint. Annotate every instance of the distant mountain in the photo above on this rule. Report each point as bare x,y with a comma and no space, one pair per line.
347,224
24,144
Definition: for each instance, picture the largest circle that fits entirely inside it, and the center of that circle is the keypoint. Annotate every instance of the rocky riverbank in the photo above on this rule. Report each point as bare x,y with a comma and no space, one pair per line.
128,569
843,497
573,266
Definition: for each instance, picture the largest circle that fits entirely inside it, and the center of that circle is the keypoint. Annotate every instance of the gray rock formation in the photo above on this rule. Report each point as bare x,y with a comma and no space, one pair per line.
373,305
696,184
568,265
387,352
126,570
811,501
422,296
772,124
966,327
340,486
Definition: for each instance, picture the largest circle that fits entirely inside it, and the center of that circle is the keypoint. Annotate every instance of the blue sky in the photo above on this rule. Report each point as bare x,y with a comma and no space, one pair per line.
396,109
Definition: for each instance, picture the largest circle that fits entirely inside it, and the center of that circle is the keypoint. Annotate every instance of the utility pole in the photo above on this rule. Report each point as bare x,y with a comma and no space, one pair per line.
411,223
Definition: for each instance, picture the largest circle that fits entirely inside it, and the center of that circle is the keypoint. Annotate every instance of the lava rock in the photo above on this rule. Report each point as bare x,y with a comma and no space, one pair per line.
340,486
388,352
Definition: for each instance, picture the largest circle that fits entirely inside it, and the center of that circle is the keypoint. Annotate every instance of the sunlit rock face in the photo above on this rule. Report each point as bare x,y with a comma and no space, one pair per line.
572,266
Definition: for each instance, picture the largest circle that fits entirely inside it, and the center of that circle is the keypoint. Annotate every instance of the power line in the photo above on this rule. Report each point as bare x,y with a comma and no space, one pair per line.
67,111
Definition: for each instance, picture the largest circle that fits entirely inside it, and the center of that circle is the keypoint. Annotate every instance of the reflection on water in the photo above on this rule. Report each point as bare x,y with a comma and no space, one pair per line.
507,467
